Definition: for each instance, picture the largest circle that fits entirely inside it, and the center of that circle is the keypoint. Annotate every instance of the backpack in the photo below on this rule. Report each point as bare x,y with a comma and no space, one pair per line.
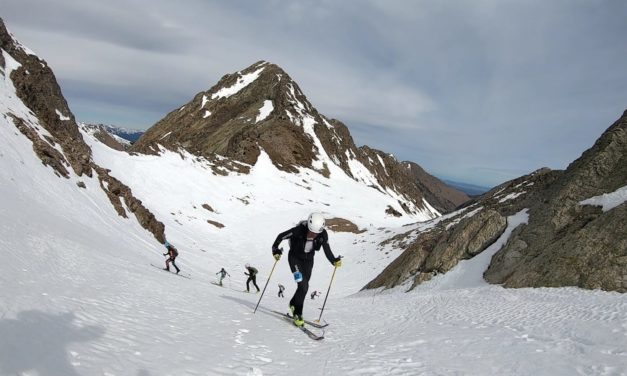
173,251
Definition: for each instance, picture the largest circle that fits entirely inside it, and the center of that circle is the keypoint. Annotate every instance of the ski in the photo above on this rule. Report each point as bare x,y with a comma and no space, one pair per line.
308,332
178,275
312,323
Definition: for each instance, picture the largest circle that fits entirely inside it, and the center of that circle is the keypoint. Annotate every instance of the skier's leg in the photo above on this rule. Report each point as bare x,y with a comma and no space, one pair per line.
301,291
255,282
305,268
167,264
294,263
175,267
248,284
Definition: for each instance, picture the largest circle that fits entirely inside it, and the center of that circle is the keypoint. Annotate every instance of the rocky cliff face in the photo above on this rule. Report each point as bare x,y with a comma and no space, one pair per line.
42,114
565,242
262,109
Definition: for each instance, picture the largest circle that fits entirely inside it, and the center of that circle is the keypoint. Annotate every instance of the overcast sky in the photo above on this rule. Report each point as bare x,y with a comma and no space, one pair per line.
475,91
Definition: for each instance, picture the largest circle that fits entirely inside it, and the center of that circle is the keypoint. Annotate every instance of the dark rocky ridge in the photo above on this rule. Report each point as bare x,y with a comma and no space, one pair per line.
227,126
443,197
38,89
569,244
563,244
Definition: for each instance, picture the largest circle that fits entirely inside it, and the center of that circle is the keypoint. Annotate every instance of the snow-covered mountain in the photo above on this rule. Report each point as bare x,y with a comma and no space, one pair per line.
261,110
78,294
122,135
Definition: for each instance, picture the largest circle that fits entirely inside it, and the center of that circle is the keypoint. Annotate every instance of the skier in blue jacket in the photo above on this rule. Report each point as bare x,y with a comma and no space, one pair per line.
173,254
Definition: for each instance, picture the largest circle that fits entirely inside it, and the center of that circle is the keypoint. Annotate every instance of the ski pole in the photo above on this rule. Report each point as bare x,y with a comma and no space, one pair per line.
264,288
328,290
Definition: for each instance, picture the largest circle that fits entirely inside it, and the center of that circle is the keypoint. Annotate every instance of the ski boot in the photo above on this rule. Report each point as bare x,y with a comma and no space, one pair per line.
298,320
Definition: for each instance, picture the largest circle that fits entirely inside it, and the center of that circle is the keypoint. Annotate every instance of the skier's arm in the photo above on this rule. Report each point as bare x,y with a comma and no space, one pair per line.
327,250
282,236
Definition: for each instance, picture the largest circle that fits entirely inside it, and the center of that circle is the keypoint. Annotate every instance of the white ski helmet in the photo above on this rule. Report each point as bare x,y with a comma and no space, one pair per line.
247,265
315,223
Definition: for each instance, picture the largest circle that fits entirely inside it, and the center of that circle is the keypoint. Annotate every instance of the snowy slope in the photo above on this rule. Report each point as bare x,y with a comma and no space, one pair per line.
79,296
254,208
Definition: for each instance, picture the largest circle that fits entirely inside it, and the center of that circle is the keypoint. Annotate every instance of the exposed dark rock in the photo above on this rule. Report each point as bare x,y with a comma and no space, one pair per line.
409,263
217,224
48,154
391,211
465,240
208,207
342,225
121,196
37,87
568,244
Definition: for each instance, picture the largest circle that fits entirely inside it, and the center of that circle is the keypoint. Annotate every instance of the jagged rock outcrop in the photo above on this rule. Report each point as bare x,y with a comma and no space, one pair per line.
37,87
262,108
50,125
460,235
438,250
564,243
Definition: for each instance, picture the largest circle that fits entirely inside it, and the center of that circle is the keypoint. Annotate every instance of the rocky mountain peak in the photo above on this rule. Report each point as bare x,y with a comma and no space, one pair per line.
262,109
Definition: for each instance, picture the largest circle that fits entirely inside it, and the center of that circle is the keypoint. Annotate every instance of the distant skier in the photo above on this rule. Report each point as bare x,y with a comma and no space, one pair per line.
305,239
252,277
314,294
281,289
172,253
222,274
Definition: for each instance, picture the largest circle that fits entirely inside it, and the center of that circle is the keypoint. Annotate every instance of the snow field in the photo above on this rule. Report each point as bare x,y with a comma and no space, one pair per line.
78,295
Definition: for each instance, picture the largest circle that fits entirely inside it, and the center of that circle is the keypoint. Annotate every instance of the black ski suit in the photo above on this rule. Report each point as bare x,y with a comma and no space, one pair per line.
252,277
299,258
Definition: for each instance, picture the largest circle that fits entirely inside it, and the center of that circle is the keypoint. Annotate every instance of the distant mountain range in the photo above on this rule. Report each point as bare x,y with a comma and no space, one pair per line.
469,189
129,135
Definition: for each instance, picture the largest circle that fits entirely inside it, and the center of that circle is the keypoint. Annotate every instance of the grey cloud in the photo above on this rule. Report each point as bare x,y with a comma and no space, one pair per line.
482,91
123,23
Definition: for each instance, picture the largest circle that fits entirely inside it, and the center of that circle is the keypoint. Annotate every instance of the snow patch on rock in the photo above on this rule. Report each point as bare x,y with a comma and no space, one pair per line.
264,111
608,201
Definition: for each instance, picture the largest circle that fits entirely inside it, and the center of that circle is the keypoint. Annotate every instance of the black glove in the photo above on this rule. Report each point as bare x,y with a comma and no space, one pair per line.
277,252
165,254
